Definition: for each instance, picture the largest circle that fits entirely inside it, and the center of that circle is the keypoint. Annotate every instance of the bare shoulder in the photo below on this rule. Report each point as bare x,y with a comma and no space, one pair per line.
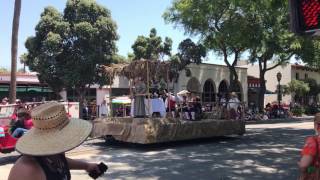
26,168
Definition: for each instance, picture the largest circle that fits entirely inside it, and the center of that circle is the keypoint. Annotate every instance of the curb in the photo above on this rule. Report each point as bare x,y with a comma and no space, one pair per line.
288,120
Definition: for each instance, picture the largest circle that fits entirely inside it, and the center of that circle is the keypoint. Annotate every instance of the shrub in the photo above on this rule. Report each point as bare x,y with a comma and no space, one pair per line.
312,110
297,111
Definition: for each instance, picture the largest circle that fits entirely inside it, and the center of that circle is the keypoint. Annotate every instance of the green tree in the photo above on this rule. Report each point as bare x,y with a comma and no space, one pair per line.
166,47
274,44
3,70
299,89
310,52
69,48
152,47
120,59
14,51
221,25
23,60
189,52
130,57
314,88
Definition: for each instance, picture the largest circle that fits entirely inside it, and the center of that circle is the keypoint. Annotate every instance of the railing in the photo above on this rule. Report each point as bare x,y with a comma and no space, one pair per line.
7,111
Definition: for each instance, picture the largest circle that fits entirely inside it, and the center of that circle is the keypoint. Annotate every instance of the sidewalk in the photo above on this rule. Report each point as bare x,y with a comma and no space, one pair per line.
278,120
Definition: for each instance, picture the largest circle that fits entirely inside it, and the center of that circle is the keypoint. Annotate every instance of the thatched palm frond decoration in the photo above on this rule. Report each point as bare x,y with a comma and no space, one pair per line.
140,68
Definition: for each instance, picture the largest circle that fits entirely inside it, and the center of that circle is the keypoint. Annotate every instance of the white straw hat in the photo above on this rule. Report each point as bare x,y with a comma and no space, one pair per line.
52,131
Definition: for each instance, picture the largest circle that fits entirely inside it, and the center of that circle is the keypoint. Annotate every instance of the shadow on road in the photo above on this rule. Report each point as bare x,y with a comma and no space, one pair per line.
8,159
260,154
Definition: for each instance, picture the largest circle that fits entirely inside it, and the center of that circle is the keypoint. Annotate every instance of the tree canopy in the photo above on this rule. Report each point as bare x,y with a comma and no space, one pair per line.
273,43
299,88
273,40
314,86
221,25
310,52
188,52
68,48
151,47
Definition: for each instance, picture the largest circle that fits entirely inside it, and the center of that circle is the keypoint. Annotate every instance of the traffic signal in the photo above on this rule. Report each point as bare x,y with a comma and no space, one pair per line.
305,16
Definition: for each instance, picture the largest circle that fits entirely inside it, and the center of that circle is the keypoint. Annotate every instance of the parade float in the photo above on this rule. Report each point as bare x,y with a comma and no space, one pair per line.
157,130
149,129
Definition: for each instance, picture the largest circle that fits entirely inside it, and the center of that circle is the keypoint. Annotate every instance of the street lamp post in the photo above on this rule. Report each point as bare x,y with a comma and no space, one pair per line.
279,76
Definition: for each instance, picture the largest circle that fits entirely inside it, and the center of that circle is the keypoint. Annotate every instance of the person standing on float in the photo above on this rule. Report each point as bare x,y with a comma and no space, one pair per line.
139,96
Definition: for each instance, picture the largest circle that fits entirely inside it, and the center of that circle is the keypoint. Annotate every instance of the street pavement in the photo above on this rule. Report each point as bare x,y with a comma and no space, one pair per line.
266,151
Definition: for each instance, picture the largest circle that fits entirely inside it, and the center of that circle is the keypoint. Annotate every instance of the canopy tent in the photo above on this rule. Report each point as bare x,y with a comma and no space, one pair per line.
121,100
183,92
121,105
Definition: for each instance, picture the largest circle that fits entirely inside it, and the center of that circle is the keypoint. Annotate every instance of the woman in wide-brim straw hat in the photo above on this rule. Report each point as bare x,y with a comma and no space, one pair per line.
310,163
43,146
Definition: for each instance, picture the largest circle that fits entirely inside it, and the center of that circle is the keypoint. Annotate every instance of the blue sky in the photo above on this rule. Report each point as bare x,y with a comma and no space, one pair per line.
133,18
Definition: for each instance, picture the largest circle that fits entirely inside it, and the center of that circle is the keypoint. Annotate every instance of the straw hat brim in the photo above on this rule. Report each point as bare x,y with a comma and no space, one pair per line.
42,143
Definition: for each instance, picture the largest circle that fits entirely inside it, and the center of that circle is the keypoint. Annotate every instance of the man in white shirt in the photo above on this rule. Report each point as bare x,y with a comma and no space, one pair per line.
233,105
103,111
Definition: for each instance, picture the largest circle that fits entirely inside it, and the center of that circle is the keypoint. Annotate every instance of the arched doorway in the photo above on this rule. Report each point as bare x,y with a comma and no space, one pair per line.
209,92
194,85
223,89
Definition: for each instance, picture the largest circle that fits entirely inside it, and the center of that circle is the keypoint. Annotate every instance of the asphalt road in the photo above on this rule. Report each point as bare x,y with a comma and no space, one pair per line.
266,151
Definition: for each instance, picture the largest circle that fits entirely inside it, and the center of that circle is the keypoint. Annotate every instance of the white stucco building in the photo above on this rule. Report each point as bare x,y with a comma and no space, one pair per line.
206,80
289,72
212,80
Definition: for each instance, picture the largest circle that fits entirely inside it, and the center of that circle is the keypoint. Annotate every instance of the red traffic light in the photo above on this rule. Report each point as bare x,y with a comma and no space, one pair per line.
305,15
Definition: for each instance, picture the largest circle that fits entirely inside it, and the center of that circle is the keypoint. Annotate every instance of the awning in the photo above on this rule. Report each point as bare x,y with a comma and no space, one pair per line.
256,90
5,88
183,92
35,89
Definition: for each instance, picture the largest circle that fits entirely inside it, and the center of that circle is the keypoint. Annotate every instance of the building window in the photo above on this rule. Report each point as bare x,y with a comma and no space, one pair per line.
306,76
208,94
297,76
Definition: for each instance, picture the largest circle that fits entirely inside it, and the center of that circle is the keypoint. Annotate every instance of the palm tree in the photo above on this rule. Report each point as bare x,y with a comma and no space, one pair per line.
23,60
14,49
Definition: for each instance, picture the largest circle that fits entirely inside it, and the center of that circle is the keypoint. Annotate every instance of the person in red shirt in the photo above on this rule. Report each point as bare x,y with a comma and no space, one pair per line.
22,124
171,104
309,161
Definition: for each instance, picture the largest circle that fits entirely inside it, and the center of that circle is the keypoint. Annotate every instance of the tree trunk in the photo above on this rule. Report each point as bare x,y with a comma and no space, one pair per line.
81,97
81,105
14,50
262,90
233,78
